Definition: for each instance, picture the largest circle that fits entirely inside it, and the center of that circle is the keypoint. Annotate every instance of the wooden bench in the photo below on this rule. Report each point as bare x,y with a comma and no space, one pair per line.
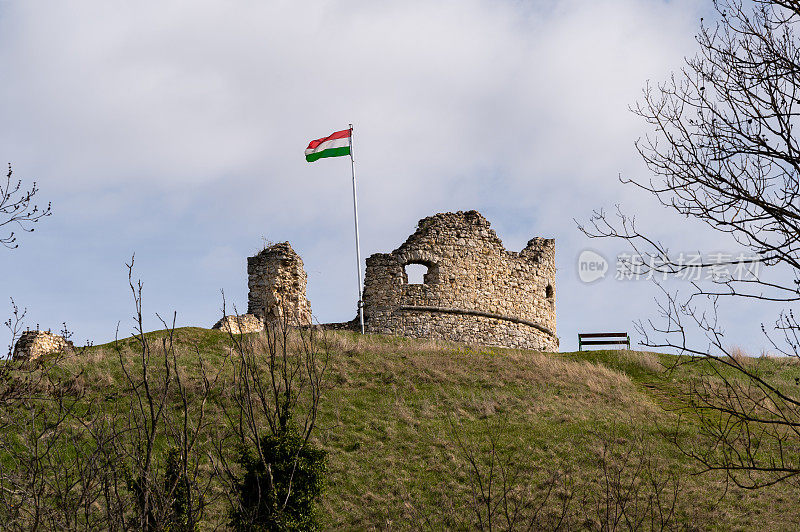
603,339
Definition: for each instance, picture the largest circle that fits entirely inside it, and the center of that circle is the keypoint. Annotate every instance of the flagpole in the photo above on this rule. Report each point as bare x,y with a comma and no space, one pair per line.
358,245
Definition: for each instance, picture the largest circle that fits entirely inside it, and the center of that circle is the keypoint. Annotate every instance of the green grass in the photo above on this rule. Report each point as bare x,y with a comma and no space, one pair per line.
394,409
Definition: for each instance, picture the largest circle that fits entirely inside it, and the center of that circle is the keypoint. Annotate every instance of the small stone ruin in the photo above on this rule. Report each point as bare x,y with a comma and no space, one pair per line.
34,344
474,291
246,323
277,290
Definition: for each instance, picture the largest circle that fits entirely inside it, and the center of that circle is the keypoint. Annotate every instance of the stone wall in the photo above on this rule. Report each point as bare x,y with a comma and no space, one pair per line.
34,344
277,285
474,290
244,324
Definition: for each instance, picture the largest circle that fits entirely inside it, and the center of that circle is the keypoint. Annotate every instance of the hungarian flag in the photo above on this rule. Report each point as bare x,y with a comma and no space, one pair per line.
334,145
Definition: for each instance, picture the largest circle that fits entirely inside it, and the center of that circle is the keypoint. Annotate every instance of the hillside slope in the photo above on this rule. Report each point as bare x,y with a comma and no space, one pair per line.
415,430
402,417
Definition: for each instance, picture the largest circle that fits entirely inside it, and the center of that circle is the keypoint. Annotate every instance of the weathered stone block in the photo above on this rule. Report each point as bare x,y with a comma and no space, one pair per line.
246,323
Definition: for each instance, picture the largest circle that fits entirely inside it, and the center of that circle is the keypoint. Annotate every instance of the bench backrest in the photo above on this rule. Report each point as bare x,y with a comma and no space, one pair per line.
618,338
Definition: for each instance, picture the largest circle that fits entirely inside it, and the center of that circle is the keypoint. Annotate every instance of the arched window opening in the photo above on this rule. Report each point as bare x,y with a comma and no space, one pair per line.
548,292
416,273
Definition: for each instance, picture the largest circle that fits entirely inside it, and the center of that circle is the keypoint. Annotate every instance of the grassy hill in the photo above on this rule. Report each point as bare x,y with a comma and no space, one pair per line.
417,430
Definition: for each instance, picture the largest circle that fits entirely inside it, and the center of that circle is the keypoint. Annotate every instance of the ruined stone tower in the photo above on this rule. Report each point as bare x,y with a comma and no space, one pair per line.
277,284
474,290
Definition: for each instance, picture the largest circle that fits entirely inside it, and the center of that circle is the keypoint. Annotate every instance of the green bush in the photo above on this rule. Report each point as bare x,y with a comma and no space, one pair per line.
279,492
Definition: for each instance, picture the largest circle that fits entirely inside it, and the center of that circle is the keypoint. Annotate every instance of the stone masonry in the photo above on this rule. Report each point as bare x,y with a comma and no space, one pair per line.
474,290
34,344
277,284
244,324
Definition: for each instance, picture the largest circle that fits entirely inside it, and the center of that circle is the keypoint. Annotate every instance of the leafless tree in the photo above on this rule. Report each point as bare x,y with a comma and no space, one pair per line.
50,476
123,460
168,490
505,495
17,209
274,392
723,151
146,455
635,492
623,487
14,324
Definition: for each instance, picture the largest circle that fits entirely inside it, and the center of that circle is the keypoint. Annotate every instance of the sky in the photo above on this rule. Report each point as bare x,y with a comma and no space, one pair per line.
175,131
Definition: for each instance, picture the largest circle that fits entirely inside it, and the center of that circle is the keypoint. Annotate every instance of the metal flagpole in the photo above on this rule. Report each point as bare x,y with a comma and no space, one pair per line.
358,245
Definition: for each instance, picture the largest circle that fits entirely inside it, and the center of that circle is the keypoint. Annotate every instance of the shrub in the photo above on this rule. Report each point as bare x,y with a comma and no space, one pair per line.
279,488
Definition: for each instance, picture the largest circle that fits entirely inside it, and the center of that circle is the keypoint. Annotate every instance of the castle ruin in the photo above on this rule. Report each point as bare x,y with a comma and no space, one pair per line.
474,290
34,344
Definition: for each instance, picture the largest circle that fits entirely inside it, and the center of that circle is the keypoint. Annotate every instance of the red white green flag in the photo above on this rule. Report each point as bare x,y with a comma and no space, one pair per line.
334,145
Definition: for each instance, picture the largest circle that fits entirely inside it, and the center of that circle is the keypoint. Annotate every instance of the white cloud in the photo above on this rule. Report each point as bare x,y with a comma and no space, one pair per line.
177,129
